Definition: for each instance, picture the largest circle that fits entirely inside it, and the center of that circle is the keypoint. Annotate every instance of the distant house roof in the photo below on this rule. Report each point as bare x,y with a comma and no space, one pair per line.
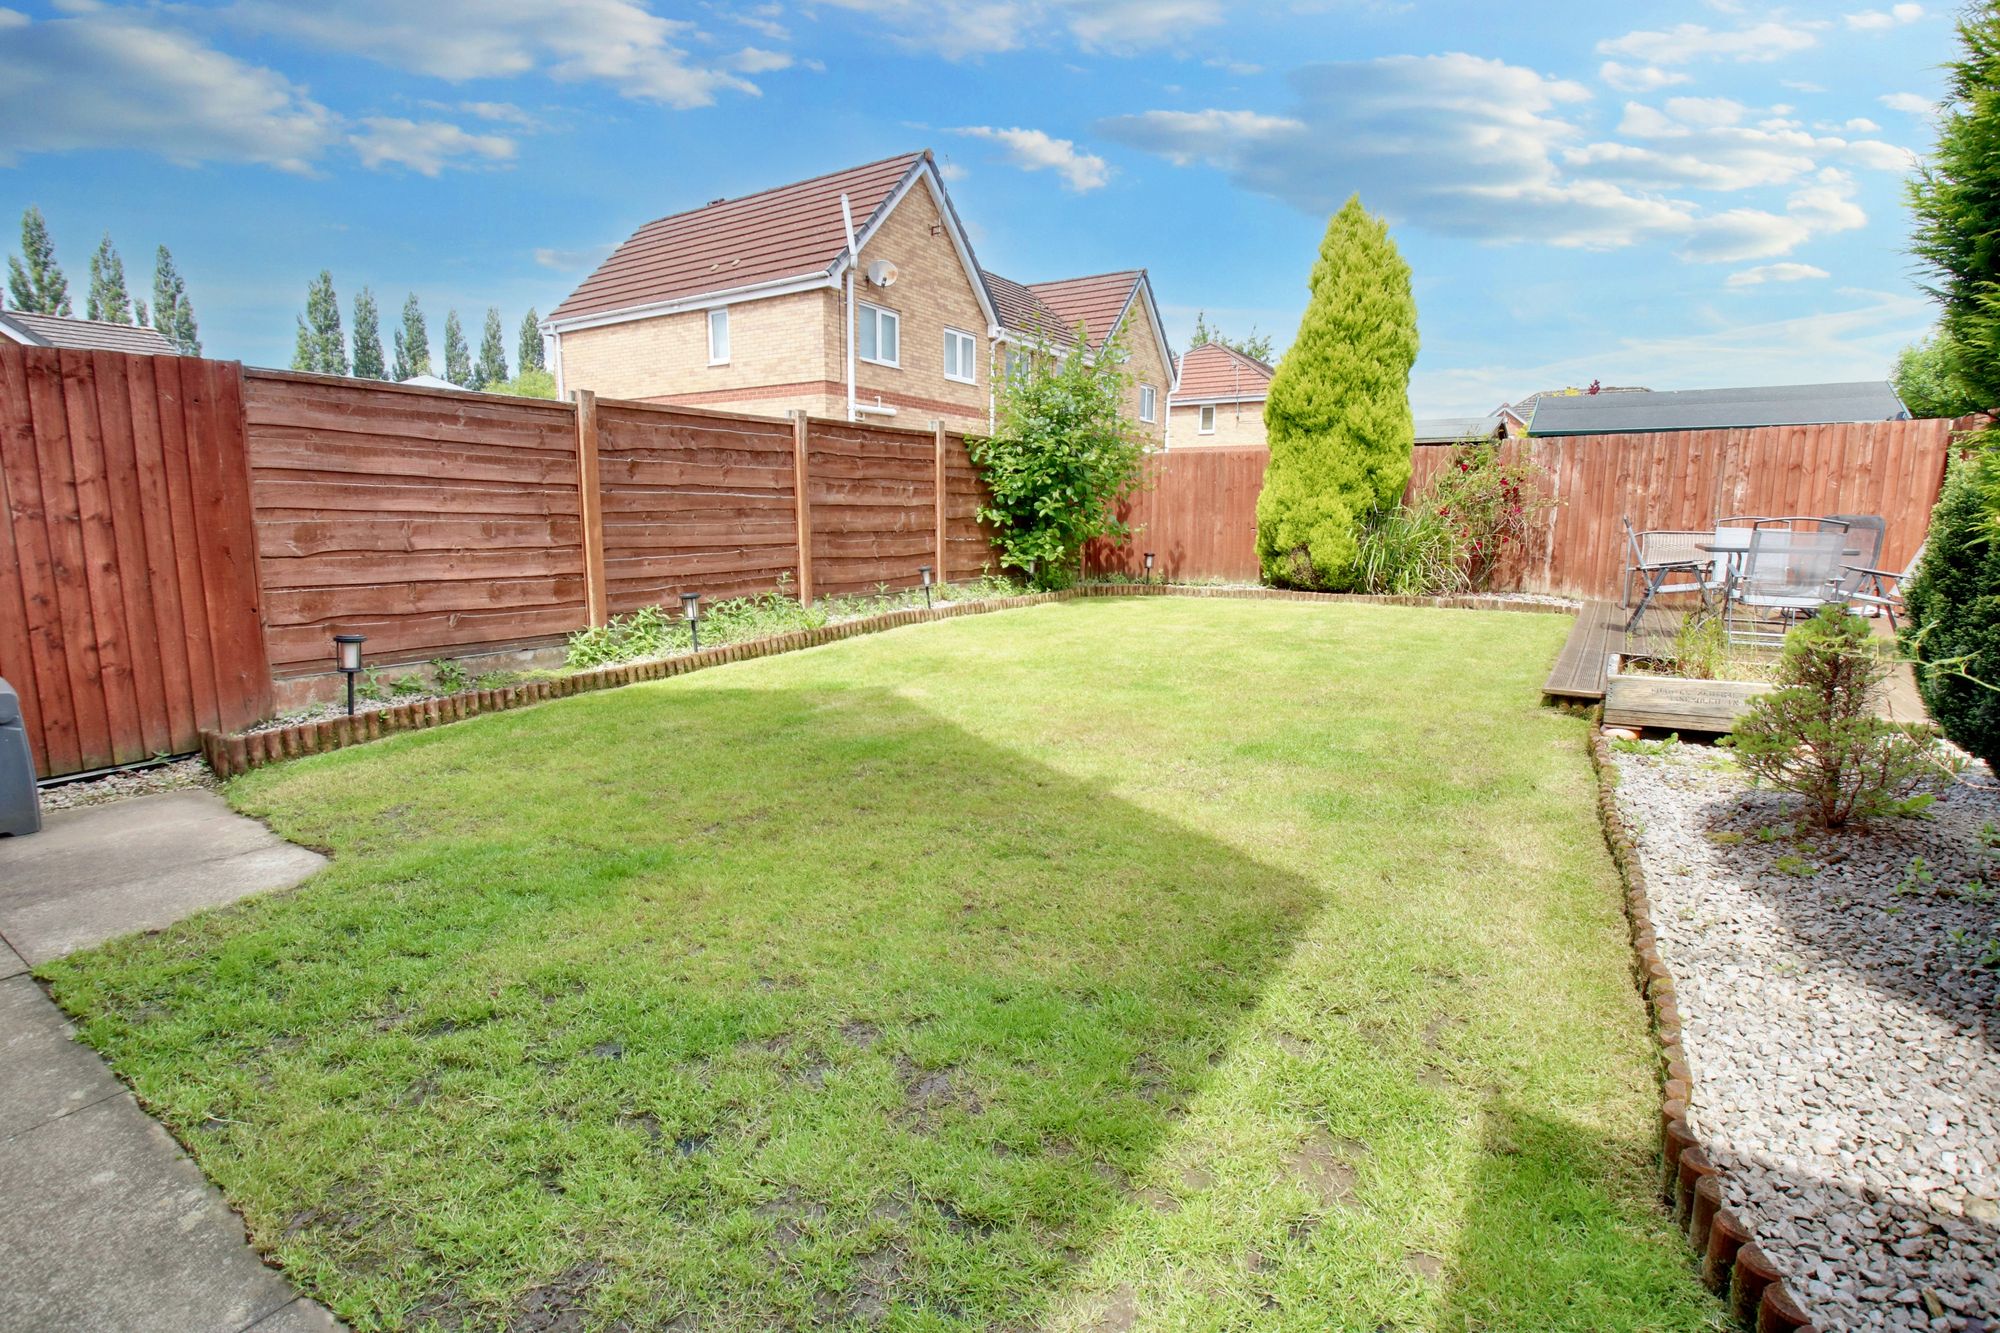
1218,373
1020,309
1712,409
1096,302
1450,430
792,231
35,330
1524,411
432,382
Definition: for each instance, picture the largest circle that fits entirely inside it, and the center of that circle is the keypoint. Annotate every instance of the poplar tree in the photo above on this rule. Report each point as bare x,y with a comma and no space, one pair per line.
413,343
1338,411
530,357
34,279
322,347
457,356
368,362
173,315
492,367
108,300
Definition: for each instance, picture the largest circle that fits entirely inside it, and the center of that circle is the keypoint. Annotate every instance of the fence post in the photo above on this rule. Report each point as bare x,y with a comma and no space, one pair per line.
590,506
943,574
802,503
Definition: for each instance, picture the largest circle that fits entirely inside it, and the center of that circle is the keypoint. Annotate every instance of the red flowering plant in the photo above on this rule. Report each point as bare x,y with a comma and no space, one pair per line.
1489,503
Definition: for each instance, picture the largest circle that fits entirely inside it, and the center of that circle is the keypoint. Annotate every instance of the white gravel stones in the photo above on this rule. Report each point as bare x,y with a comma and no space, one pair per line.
130,782
1843,1035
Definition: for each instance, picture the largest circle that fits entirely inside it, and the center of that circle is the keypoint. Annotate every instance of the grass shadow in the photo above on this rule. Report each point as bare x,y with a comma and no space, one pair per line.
694,1008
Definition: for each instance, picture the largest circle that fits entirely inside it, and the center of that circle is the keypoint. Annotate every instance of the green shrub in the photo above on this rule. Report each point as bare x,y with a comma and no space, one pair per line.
1817,734
1449,538
1338,410
1953,630
1408,551
449,677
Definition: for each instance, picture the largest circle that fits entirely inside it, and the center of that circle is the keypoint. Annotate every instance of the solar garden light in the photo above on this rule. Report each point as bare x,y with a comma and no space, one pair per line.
347,656
1149,566
925,571
691,608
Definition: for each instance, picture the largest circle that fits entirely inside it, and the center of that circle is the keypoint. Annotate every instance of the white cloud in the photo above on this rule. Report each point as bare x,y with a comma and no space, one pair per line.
1689,42
757,60
1763,273
959,29
616,42
1913,103
1034,150
1856,341
952,171
1879,20
1738,234
1702,142
505,112
111,79
426,147
1639,78
570,261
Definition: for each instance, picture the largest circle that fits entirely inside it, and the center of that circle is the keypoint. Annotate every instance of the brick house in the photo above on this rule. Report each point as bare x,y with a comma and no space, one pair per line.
1219,399
759,304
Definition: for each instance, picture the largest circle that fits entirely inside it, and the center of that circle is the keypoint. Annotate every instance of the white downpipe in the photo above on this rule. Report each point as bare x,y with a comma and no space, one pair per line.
853,262
552,353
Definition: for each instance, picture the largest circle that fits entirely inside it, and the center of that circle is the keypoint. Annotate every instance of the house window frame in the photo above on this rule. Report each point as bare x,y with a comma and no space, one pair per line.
721,312
1206,424
968,355
1014,363
1149,404
878,313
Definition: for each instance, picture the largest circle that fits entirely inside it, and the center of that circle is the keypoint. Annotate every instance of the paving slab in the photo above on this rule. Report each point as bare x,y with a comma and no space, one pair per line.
11,963
108,1225
44,1072
102,871
301,1316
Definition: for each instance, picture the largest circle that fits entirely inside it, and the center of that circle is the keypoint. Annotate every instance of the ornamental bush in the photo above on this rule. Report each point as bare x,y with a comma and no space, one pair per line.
1953,629
1338,410
1817,734
1449,538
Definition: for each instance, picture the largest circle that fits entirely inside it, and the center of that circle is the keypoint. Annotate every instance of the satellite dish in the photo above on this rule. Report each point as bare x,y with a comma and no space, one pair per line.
882,273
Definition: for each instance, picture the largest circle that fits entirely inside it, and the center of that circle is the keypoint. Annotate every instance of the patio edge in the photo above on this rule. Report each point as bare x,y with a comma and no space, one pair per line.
1733,1265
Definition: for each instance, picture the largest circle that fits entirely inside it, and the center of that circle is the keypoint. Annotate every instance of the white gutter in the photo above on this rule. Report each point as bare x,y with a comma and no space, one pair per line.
853,262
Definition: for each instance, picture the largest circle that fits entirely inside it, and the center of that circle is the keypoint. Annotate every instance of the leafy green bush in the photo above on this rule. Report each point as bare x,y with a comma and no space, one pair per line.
449,677
1061,459
1817,734
1953,630
1408,551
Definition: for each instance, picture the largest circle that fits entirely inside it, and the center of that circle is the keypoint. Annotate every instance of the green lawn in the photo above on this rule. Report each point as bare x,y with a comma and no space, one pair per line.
1173,963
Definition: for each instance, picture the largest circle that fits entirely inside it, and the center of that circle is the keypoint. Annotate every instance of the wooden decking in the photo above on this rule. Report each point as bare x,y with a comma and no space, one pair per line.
1600,631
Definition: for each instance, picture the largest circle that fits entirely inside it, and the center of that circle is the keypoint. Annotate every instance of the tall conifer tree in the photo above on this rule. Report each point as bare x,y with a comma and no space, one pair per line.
108,300
368,362
530,357
34,280
457,356
413,343
492,367
173,314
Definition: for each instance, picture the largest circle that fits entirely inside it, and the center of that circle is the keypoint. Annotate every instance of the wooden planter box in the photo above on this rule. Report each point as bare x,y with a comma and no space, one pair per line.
1674,703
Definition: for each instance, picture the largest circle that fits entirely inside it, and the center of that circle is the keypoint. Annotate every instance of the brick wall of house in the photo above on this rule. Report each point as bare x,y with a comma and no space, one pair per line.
931,293
1235,423
773,343
1146,367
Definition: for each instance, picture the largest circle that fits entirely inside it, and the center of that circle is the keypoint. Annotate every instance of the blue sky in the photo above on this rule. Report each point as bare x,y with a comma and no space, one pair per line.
1709,194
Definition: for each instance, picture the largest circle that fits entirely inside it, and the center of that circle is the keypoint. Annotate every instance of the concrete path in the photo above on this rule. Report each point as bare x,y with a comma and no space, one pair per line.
104,1222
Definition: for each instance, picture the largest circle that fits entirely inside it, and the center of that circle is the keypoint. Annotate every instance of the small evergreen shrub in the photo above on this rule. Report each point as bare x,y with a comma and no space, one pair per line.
1953,630
1817,734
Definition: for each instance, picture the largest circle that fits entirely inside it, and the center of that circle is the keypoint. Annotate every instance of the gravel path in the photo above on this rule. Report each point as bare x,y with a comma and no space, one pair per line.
1842,1032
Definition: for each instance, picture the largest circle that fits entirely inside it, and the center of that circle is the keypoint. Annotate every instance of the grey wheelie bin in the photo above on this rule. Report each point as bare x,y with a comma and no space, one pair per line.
20,806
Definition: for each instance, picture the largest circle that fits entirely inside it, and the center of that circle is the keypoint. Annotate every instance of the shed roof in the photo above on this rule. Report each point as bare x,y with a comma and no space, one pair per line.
23,326
1217,372
791,231
1450,430
1714,409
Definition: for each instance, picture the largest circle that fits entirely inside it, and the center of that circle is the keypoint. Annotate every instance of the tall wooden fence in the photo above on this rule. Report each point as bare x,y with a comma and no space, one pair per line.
182,533
128,581
1197,514
1691,479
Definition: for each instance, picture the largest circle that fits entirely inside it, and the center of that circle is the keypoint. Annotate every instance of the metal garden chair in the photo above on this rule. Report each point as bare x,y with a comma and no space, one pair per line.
1882,589
1788,573
1658,557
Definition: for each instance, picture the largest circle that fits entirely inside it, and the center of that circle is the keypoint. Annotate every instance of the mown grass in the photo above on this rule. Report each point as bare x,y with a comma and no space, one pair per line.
1152,963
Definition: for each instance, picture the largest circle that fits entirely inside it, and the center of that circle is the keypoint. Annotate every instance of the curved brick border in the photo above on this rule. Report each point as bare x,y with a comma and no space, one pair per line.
1732,1264
230,754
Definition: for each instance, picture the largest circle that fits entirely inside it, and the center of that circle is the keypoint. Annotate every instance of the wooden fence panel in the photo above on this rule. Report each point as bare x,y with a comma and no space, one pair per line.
694,502
436,523
873,500
1197,514
129,607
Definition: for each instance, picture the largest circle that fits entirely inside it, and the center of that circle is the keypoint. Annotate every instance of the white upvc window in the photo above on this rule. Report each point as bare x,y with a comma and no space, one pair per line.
1208,418
718,336
961,356
1147,412
1017,362
878,335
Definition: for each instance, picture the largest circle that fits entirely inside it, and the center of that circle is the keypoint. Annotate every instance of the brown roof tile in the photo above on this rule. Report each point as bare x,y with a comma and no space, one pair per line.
90,334
787,232
1214,370
1094,302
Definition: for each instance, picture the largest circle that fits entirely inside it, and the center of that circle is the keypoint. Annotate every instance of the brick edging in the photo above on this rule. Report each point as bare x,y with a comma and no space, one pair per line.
232,753
1733,1265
